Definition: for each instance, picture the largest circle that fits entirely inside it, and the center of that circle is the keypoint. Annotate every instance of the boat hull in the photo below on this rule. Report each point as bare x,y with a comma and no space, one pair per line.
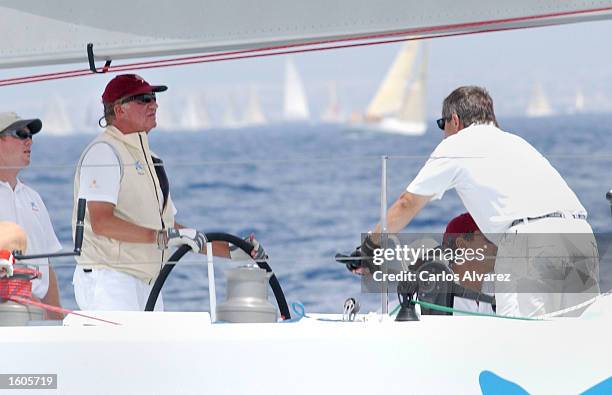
164,353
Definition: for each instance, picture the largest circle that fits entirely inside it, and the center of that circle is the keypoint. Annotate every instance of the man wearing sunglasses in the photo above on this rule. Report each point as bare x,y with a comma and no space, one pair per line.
23,206
511,191
129,222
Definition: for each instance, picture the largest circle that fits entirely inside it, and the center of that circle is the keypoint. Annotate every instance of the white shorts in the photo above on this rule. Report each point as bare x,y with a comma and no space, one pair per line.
106,289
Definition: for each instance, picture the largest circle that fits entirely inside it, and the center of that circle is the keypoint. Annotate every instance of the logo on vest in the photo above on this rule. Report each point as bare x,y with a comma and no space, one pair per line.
34,206
139,167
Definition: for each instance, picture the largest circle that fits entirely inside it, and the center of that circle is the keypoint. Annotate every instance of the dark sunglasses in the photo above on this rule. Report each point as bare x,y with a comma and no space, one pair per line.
144,98
21,134
441,122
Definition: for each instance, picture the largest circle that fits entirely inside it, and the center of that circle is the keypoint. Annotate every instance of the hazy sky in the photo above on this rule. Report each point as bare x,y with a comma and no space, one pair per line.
563,59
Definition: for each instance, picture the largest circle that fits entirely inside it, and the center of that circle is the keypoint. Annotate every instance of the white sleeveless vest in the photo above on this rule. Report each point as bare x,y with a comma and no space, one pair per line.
137,203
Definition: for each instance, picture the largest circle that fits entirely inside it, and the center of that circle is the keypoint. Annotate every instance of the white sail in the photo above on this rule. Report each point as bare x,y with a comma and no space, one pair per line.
195,116
295,103
56,120
413,107
254,114
390,94
579,101
399,104
165,117
333,112
539,105
230,121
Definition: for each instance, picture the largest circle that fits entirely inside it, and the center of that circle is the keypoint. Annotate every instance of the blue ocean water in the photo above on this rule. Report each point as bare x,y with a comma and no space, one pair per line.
308,192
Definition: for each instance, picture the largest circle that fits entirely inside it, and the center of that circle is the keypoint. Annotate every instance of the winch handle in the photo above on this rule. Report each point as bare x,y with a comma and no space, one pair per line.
238,242
78,238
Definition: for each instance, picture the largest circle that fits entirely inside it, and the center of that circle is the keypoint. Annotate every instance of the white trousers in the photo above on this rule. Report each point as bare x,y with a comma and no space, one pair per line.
106,289
553,264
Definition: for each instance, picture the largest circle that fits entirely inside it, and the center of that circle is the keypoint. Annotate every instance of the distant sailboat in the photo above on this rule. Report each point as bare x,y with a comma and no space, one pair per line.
254,115
579,102
295,102
195,116
396,108
165,118
538,104
333,112
56,120
230,121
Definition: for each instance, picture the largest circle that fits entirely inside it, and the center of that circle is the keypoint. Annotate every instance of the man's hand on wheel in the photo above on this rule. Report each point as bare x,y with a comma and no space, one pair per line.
185,236
258,254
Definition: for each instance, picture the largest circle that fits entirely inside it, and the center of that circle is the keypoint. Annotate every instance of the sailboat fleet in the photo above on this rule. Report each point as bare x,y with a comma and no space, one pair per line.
398,105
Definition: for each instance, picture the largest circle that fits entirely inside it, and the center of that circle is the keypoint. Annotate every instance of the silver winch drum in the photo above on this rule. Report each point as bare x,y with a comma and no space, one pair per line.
20,284
247,296
15,314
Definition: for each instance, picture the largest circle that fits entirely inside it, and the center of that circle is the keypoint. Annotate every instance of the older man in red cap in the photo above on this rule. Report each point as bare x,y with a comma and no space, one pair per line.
462,233
129,222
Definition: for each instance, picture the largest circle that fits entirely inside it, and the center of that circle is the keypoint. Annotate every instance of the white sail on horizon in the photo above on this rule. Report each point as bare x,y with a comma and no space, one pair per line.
399,103
195,116
333,111
539,106
254,114
295,102
390,94
230,121
56,120
413,107
579,101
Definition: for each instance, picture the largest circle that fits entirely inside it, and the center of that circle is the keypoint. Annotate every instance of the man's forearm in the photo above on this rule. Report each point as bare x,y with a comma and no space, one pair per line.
122,230
402,212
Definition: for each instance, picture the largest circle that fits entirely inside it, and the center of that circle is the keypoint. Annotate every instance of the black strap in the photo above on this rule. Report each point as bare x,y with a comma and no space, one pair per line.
162,177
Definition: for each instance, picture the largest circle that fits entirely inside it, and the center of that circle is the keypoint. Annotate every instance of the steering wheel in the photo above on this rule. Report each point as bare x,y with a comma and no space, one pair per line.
238,242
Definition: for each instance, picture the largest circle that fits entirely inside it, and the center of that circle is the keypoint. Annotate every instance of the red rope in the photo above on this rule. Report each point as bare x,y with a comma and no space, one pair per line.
55,309
20,284
19,290
282,49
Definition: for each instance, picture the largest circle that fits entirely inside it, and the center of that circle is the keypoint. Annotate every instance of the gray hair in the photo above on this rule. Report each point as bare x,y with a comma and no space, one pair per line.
472,104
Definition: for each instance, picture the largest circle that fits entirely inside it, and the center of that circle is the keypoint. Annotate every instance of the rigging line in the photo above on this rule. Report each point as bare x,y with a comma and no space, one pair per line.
304,160
25,301
433,29
219,162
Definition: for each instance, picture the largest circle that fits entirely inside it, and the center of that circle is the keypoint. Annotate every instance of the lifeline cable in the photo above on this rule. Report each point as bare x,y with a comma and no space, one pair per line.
446,309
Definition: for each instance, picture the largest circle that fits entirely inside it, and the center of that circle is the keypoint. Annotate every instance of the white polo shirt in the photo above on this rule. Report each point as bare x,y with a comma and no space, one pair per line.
499,177
25,207
100,177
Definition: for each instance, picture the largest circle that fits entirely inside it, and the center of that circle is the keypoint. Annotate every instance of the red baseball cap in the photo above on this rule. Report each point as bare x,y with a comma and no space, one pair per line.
463,223
125,85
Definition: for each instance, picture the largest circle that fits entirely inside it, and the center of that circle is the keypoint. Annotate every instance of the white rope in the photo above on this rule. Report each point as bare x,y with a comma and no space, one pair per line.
573,308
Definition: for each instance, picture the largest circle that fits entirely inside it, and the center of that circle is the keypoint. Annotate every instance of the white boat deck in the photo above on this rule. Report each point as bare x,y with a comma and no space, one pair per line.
184,353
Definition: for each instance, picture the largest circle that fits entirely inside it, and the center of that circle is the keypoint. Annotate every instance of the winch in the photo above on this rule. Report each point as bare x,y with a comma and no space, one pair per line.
20,285
247,296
